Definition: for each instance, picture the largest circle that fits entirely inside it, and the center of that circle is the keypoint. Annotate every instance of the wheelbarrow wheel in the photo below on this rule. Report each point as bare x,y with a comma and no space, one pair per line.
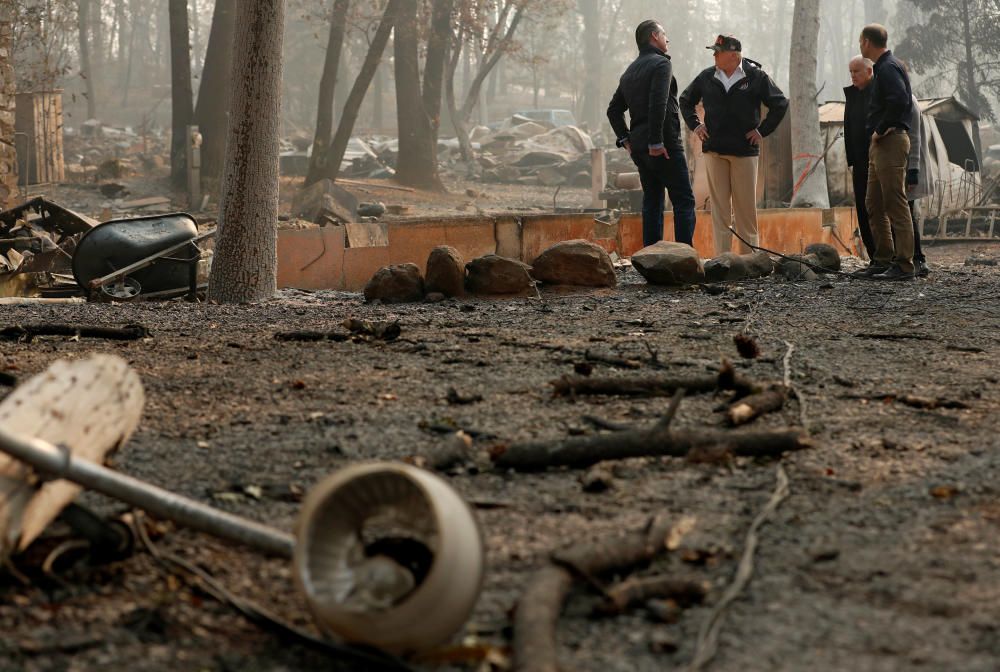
125,289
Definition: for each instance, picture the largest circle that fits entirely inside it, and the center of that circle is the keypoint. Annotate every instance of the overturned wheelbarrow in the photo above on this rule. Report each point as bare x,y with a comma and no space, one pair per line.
155,256
385,554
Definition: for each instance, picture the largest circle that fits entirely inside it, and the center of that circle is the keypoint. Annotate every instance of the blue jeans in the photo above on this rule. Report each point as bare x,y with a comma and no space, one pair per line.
657,173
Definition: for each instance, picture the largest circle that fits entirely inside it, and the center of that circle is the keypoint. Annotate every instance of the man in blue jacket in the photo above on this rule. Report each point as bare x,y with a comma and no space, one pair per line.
889,111
648,91
731,92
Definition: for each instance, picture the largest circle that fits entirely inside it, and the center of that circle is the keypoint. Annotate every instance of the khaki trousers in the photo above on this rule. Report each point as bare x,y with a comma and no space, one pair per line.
732,187
888,210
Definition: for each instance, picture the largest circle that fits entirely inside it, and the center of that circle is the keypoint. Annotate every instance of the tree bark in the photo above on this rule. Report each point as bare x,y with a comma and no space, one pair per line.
357,96
327,85
416,165
83,24
244,268
8,155
215,92
182,96
592,60
808,165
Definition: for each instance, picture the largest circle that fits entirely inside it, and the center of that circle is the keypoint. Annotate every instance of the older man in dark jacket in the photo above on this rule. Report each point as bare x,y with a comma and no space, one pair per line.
648,91
857,139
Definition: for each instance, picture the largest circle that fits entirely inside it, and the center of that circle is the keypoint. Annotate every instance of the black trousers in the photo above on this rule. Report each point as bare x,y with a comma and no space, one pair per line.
918,253
657,173
860,176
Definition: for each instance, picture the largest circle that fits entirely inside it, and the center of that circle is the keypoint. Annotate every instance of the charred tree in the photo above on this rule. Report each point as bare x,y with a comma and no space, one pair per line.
215,91
8,155
327,85
808,164
244,268
86,72
357,96
182,96
593,94
416,165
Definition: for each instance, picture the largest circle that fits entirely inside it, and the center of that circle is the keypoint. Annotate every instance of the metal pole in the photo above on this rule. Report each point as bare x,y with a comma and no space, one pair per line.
58,462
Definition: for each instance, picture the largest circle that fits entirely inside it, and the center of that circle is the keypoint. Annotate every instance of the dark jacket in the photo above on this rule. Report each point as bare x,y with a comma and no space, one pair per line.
730,116
856,135
648,90
891,96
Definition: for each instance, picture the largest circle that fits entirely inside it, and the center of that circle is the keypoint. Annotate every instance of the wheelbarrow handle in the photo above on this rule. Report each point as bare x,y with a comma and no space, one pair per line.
57,462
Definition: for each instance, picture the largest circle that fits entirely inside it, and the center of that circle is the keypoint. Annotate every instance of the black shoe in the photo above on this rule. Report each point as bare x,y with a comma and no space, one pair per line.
921,270
870,270
894,273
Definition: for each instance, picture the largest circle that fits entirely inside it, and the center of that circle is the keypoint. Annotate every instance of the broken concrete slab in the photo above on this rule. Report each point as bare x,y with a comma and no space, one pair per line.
575,262
396,284
492,274
669,263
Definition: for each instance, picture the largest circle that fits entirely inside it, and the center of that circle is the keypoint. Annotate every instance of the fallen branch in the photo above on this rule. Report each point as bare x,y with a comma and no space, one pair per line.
752,407
633,591
535,646
654,386
359,331
708,635
656,441
26,334
913,401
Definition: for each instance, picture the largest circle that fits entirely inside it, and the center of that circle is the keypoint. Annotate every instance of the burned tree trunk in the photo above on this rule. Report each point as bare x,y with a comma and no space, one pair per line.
180,87
417,162
83,23
245,264
592,58
327,85
808,165
357,96
8,155
215,92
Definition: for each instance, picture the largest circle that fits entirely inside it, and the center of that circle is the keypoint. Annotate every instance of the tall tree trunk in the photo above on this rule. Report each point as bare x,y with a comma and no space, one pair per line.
357,96
457,120
215,91
8,154
181,96
83,25
416,165
327,84
592,61
972,95
244,268
808,165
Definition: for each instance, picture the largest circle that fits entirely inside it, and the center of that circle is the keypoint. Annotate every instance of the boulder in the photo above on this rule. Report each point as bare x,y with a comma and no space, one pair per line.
445,271
575,262
726,266
828,256
668,263
396,284
492,274
792,268
759,264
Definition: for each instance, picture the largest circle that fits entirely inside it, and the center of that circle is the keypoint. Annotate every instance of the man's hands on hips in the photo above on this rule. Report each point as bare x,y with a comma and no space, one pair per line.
659,151
876,136
754,137
702,132
627,146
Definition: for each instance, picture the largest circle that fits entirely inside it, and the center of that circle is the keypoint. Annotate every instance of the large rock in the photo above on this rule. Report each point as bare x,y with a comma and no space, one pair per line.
667,263
491,274
726,266
575,262
759,264
445,272
799,267
396,284
828,256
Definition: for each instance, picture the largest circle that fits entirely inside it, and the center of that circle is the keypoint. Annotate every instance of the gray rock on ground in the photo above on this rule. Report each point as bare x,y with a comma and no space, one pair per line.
575,262
726,266
445,272
759,264
793,268
669,263
396,284
492,274
828,256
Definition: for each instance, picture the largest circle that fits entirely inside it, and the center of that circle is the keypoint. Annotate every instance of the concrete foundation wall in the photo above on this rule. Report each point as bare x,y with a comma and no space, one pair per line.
323,258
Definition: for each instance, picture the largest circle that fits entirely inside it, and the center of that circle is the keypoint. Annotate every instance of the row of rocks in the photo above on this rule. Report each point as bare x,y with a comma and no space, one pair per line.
582,263
572,262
